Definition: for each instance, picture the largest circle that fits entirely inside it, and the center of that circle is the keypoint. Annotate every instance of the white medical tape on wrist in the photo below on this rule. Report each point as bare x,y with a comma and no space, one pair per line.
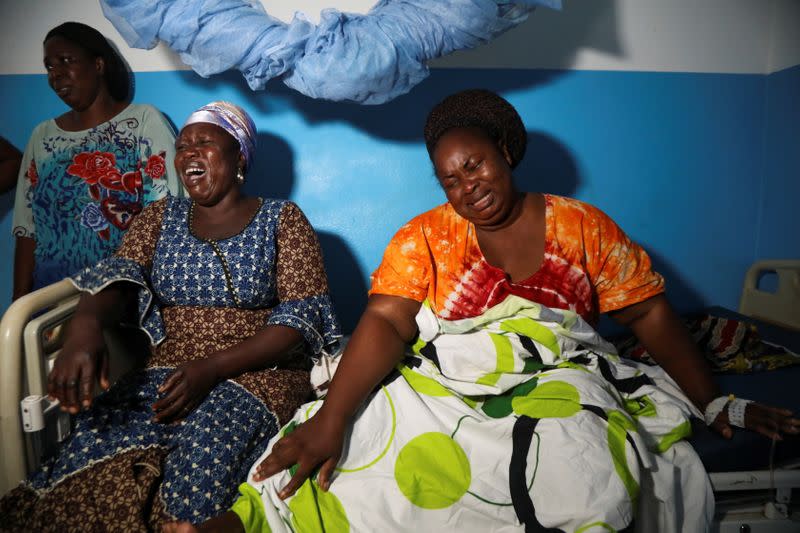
714,408
736,412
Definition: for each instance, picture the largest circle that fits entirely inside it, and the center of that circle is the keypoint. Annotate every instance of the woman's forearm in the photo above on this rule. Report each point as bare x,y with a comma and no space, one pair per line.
23,266
8,175
10,159
225,523
267,347
272,344
376,346
109,306
667,340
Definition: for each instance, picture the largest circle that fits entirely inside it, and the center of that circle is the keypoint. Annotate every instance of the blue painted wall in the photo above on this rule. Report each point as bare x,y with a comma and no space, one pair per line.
779,223
680,161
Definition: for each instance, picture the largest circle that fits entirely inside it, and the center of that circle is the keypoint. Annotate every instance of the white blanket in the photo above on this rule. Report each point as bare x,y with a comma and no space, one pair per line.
522,418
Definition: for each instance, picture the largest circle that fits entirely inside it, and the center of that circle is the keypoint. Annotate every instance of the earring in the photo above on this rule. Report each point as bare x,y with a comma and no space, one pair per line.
240,176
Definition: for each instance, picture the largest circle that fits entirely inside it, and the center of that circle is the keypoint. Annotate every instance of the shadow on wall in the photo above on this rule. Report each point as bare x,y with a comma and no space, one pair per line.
273,176
347,285
683,297
403,118
549,38
548,166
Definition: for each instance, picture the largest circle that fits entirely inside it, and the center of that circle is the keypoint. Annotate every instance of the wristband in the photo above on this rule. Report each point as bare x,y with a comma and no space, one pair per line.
715,407
736,409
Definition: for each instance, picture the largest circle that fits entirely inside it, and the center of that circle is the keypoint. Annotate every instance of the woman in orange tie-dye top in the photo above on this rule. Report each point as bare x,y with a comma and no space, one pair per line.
512,410
589,265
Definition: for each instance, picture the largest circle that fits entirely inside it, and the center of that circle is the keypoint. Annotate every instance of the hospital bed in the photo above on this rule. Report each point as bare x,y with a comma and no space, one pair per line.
756,484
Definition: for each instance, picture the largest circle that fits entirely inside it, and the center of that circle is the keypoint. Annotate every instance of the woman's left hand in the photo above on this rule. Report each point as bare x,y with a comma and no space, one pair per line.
183,390
771,422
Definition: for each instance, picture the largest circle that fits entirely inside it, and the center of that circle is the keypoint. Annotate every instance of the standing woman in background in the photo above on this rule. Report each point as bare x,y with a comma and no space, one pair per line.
88,172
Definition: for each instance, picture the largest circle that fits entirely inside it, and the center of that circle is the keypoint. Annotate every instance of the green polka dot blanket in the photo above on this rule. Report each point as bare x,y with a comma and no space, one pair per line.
523,418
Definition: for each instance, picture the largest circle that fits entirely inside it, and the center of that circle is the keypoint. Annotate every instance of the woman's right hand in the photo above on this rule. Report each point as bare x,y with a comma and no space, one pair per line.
387,323
316,442
83,359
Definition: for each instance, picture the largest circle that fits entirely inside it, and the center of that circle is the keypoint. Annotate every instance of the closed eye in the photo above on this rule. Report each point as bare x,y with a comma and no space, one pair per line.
448,181
473,165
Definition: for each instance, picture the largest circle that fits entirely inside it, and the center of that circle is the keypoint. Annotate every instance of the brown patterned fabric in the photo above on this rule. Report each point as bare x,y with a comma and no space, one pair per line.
301,272
197,332
139,242
120,491
283,390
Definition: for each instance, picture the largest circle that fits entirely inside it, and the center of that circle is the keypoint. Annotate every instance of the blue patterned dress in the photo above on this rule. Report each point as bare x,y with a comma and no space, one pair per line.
121,471
78,191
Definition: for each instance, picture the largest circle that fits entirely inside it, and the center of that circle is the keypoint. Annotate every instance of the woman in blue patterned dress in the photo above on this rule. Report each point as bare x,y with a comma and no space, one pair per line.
88,172
232,293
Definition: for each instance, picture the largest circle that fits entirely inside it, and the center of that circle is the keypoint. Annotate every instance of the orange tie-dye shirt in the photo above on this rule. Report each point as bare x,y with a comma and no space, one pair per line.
590,266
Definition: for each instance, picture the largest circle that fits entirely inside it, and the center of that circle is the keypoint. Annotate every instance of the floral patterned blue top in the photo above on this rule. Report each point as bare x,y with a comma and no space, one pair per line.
78,191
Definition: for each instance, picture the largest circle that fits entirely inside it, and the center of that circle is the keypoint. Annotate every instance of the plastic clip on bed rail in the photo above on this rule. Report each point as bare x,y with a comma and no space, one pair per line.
35,409
44,433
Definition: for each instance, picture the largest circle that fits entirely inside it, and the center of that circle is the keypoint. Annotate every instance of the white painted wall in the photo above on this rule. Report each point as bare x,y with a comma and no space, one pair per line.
737,36
784,48
644,35
24,23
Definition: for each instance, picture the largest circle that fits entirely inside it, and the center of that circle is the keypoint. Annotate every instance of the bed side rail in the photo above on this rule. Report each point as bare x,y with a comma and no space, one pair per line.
58,297
781,307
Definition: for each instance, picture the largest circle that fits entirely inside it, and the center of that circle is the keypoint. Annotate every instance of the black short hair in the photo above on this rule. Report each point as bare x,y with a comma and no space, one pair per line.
478,108
116,74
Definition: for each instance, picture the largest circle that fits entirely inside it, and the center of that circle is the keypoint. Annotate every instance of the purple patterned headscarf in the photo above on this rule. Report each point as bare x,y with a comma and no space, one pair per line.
233,119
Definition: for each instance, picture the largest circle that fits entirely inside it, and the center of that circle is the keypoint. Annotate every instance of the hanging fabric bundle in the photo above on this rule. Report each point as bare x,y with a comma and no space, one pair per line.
368,59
